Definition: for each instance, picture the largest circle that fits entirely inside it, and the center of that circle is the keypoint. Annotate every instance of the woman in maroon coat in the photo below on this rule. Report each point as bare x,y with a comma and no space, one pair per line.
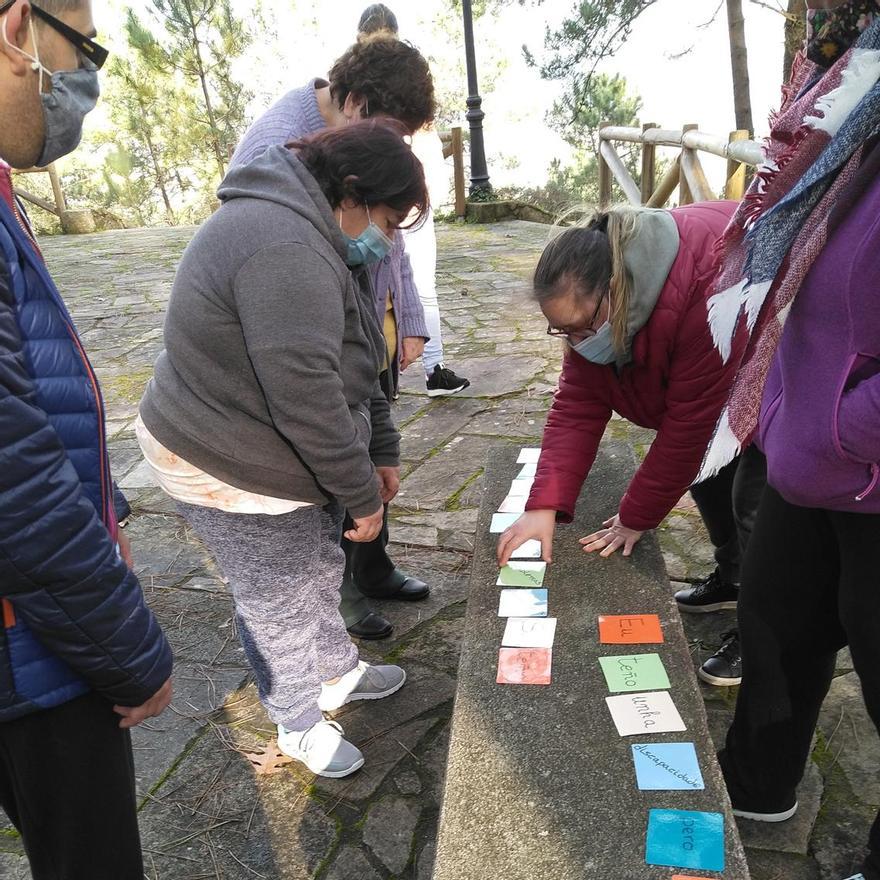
630,292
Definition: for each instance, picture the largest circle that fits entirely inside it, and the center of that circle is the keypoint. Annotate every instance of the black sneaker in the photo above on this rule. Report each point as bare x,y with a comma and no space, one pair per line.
443,381
710,594
724,667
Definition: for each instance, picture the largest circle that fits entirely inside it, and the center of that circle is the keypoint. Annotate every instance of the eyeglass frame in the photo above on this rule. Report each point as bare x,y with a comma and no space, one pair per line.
563,334
87,47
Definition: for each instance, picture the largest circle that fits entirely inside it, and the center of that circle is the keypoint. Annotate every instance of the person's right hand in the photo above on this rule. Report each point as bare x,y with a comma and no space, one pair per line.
538,524
156,705
366,528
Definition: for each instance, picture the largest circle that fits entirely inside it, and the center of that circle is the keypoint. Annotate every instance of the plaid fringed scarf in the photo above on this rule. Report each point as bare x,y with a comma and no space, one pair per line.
813,152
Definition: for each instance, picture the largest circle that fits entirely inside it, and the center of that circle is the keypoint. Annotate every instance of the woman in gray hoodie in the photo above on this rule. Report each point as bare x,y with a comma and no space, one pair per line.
264,419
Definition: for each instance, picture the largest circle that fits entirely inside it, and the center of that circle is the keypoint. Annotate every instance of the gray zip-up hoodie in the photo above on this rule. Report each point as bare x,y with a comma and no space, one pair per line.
269,378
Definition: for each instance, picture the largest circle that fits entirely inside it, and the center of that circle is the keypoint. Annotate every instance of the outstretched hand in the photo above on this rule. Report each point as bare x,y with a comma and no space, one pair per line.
611,538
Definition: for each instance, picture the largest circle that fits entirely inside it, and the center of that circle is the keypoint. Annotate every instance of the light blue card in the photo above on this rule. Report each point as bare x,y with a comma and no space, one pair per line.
667,767
685,839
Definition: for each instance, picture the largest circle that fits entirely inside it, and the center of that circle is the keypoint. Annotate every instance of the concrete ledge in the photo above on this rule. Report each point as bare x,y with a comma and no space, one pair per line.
539,784
496,212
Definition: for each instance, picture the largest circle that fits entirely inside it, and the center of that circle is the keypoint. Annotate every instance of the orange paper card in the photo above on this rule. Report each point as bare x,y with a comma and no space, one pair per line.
630,629
524,665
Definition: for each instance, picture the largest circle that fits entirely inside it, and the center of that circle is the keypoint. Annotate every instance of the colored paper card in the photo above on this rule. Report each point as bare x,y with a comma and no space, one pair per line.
502,521
524,666
529,456
513,504
685,839
523,603
630,629
528,471
522,574
667,767
529,550
520,488
529,632
636,714
688,877
634,672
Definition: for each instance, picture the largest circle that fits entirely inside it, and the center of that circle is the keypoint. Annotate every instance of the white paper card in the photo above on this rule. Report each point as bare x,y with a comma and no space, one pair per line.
653,712
529,632
529,456
502,521
530,550
528,471
523,603
513,504
520,487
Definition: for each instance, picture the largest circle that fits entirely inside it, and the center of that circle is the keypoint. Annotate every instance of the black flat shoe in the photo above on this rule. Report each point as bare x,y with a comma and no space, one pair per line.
398,587
413,590
371,628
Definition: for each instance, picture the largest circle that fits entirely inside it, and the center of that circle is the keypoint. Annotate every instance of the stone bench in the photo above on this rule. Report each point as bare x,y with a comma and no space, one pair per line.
539,784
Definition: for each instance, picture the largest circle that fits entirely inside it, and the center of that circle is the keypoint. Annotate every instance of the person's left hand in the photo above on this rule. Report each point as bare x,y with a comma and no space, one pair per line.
611,538
411,350
125,549
389,482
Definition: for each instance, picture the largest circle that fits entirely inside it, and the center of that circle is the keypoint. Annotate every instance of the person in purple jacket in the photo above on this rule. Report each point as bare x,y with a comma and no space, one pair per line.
377,76
810,575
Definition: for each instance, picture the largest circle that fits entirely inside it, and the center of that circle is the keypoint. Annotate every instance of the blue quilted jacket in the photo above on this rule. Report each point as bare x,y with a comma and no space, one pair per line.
74,616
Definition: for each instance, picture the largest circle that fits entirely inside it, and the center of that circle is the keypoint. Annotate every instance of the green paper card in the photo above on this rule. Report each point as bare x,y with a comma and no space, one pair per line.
634,672
522,574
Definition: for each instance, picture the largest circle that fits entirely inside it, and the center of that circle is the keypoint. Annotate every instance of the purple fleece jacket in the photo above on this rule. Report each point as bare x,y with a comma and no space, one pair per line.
296,115
820,416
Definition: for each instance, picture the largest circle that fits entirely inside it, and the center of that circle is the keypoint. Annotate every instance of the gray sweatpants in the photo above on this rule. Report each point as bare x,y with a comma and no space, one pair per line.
284,573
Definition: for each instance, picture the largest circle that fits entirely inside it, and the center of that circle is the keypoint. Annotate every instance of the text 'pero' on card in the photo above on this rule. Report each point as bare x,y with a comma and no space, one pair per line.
685,839
630,629
634,672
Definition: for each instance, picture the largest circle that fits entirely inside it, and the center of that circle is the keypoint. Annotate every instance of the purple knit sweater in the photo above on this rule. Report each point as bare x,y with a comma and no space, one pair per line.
294,116
820,418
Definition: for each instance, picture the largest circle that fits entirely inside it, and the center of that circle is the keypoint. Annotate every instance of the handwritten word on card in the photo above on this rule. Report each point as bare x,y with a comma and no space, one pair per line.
644,713
529,550
635,629
667,767
502,521
524,666
523,603
635,672
528,456
685,839
522,574
529,632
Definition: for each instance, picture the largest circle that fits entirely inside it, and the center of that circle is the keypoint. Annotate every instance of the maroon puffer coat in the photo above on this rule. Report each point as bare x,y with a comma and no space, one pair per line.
675,383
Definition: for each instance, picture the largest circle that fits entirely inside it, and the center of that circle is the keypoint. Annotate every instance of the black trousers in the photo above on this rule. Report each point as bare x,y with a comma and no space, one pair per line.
67,783
728,504
366,565
809,587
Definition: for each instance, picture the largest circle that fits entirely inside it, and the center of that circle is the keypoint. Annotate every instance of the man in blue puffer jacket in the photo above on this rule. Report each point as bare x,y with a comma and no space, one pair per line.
82,658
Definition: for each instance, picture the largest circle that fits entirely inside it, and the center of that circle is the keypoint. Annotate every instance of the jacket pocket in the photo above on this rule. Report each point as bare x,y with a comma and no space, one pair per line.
859,368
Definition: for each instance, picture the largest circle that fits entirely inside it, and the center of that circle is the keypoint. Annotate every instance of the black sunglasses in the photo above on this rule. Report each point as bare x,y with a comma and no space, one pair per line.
88,48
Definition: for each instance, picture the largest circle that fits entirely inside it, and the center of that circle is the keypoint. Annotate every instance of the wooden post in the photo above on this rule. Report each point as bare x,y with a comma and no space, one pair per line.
604,177
458,162
685,196
648,166
60,203
735,188
667,186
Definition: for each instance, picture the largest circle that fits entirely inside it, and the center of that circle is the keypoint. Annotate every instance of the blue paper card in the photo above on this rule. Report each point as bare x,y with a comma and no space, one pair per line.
685,839
667,767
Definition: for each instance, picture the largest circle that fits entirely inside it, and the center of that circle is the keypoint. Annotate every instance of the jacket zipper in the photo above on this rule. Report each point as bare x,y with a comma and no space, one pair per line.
875,478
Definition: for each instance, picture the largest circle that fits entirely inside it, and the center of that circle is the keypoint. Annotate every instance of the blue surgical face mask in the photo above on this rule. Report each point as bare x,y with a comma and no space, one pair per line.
369,247
598,348
74,94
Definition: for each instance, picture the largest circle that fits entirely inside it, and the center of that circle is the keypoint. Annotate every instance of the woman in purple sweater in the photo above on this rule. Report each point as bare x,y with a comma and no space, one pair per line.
810,576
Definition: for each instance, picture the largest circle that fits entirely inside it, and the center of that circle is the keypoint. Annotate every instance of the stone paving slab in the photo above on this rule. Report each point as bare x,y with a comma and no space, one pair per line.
539,783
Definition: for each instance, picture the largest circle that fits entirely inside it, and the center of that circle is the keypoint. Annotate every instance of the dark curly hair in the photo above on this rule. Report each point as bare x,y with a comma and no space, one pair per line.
369,162
391,76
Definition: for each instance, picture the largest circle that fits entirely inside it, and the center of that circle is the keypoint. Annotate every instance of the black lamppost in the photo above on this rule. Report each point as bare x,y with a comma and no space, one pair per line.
479,172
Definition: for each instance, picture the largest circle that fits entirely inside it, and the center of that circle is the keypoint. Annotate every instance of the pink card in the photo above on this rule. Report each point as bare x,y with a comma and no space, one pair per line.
524,665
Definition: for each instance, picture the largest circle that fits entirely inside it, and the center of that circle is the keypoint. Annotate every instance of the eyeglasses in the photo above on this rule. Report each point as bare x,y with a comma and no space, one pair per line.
87,47
587,331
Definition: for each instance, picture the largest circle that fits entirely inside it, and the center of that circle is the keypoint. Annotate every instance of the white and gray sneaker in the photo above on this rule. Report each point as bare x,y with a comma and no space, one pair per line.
322,748
364,682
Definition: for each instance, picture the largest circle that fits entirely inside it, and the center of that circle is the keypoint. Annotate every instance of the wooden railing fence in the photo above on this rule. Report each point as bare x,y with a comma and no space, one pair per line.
686,171
453,145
